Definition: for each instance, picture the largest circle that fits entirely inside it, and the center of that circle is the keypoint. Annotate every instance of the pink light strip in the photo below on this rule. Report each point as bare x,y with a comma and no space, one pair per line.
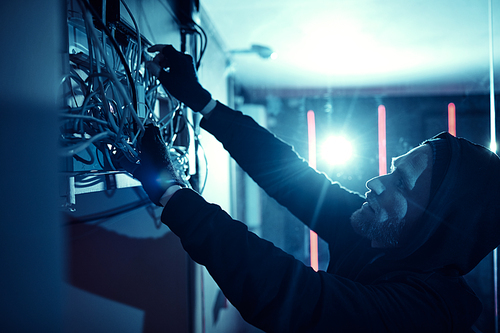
452,119
311,133
382,148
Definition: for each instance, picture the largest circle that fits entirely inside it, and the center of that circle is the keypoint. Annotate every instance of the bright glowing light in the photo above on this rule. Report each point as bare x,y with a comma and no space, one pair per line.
493,147
336,150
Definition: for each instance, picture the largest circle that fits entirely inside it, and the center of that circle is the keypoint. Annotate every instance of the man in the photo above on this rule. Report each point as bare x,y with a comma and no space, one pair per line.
397,255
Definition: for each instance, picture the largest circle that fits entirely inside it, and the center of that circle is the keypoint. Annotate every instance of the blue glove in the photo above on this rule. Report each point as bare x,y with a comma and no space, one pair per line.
177,74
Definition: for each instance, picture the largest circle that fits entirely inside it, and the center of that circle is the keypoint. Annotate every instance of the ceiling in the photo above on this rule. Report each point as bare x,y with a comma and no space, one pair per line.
435,45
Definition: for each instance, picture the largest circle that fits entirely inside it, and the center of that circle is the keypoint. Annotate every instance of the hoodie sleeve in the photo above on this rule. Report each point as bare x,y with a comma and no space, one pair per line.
277,293
275,166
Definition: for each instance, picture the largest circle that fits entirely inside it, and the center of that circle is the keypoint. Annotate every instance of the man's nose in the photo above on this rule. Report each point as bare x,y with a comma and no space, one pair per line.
376,185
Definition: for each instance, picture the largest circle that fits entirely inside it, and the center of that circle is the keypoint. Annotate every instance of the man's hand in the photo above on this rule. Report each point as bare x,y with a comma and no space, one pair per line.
156,171
177,73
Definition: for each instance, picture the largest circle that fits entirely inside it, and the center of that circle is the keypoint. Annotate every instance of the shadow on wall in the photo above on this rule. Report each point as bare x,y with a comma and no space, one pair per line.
150,274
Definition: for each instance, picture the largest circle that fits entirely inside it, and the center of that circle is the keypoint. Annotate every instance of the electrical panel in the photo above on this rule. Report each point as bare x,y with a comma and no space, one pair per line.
109,96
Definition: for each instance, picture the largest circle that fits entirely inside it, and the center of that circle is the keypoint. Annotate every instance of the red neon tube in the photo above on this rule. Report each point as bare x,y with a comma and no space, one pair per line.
452,119
313,237
382,148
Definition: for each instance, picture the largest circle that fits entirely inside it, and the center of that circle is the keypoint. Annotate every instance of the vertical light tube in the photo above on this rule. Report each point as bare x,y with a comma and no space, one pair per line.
495,286
493,142
493,147
382,149
311,133
452,119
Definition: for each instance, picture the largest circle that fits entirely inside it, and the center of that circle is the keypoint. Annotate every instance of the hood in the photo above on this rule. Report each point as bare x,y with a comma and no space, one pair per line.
461,224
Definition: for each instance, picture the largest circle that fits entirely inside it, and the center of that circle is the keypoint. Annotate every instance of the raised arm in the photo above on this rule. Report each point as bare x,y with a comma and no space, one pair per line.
277,168
277,293
273,164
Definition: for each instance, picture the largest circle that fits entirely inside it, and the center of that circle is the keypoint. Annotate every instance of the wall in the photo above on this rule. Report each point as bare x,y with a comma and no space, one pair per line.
31,245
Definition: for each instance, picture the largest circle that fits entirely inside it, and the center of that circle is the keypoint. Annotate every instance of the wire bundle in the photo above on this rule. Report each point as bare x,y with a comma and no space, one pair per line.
109,95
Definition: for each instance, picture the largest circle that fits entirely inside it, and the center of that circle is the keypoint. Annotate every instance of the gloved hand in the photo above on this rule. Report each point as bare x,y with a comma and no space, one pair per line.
177,73
155,171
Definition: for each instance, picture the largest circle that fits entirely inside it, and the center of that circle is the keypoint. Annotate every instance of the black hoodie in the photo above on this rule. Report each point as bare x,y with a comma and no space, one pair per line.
415,289
462,222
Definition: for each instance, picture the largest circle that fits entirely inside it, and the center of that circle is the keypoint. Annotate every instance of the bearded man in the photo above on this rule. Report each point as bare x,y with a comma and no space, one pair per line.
397,254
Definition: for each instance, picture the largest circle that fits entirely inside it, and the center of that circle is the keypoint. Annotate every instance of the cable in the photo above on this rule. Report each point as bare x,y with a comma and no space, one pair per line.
118,84
104,107
198,142
202,188
109,214
204,43
139,49
115,45
96,102
84,161
78,148
66,115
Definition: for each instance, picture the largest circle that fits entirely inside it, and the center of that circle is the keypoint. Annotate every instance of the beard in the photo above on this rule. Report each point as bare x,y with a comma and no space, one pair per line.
385,234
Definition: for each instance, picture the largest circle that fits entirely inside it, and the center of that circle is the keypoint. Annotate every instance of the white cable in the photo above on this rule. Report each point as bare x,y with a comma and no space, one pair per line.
82,146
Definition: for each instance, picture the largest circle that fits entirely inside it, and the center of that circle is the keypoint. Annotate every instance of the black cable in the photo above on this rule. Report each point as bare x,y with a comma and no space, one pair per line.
117,49
84,161
72,220
97,157
204,43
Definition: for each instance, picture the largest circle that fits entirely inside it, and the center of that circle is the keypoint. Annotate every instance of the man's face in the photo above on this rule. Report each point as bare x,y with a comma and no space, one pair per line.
396,200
